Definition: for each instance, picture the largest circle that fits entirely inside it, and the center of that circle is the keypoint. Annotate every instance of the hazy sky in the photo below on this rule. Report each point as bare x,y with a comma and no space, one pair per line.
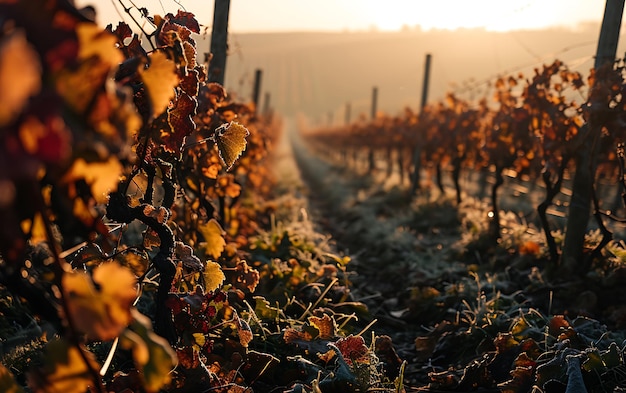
355,15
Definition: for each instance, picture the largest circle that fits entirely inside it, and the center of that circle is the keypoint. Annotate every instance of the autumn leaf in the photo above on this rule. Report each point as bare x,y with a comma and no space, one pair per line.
95,42
98,57
353,348
244,331
102,177
186,19
325,325
137,262
181,122
191,262
160,79
20,75
213,276
64,369
152,354
231,142
103,311
44,134
7,382
213,235
36,228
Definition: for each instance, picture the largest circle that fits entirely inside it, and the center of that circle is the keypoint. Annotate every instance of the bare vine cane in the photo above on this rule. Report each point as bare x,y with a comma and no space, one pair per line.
119,210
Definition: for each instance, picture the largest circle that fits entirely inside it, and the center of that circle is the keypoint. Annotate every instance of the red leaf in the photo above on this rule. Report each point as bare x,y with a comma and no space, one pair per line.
186,19
180,119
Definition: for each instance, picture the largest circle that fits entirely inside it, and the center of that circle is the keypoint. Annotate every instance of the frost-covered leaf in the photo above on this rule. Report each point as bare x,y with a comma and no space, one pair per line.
325,325
191,262
213,235
160,79
181,123
64,369
213,276
231,142
264,310
244,331
186,19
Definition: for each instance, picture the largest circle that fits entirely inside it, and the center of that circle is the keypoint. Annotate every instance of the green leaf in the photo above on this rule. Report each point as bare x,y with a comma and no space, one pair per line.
231,142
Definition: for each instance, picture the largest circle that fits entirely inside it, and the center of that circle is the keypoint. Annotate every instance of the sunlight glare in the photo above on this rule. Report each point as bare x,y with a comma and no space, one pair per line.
493,15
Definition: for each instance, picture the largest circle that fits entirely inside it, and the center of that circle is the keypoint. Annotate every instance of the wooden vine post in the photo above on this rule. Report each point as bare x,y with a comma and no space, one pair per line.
219,41
586,160
417,153
374,102
258,76
266,104
370,153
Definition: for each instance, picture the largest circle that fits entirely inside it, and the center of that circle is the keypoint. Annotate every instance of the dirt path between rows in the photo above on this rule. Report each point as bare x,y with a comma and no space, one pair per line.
397,247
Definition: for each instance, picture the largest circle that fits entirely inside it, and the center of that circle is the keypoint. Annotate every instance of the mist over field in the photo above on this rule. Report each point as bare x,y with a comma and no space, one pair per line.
316,74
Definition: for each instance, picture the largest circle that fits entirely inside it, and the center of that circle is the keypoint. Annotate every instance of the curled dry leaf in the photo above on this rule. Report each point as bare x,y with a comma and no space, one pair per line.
353,349
191,262
231,142
244,331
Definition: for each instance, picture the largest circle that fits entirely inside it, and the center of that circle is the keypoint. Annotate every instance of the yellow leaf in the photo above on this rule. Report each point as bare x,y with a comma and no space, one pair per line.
231,142
36,228
199,338
98,57
213,276
102,177
20,75
93,41
160,79
213,237
64,369
135,261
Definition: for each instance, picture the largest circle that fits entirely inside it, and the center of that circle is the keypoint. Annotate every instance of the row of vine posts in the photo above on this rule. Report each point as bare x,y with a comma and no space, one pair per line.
544,108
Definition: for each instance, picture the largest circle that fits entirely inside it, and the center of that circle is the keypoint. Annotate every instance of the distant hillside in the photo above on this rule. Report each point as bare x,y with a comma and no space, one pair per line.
317,73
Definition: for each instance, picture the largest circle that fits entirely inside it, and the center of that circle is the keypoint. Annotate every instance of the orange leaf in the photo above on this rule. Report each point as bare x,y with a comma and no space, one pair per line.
64,369
20,75
231,142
